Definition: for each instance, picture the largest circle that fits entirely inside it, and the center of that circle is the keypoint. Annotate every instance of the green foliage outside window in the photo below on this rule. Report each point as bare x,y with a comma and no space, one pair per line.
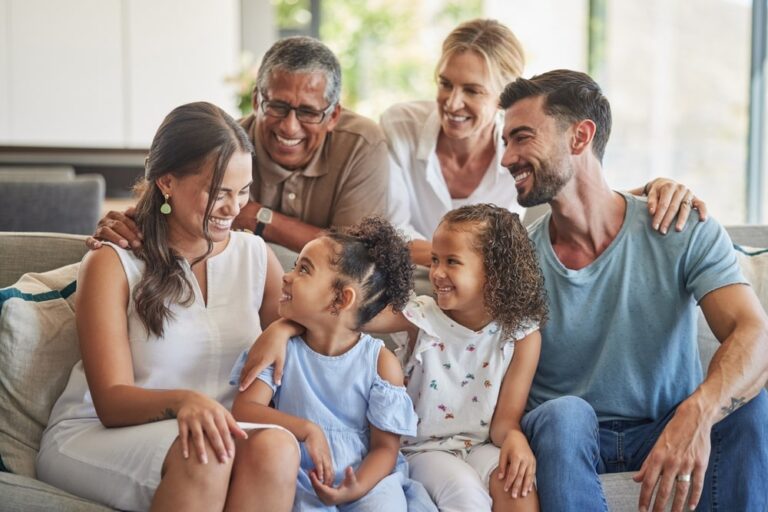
387,48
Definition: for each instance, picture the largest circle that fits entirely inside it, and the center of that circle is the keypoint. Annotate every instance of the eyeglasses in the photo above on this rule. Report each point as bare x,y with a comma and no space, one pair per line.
281,110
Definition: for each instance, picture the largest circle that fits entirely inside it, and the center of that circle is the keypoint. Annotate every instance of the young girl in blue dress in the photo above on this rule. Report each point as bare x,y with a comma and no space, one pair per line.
469,355
342,392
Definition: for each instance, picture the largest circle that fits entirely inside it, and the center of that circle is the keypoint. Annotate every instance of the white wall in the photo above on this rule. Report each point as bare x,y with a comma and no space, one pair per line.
103,73
5,40
179,51
553,32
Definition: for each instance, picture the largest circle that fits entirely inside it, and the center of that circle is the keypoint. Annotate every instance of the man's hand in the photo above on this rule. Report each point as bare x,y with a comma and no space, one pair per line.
668,199
118,228
349,490
677,463
246,219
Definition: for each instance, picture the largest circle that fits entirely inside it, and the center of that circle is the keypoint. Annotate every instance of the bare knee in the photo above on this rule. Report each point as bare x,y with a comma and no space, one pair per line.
503,500
193,469
270,451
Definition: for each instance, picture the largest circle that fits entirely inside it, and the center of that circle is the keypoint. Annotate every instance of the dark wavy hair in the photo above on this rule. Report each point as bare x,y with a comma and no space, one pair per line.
514,292
375,256
191,139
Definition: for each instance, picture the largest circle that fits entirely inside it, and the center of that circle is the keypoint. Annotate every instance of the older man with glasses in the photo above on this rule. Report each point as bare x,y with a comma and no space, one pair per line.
316,164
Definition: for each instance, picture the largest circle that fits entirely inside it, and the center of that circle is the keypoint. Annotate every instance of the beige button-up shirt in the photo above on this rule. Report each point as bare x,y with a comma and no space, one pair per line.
346,180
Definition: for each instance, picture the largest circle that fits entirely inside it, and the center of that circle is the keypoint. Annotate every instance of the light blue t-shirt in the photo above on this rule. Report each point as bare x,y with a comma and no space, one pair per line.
622,330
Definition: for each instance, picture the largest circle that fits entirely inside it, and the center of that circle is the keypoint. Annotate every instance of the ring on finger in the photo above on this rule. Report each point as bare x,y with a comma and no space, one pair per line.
683,478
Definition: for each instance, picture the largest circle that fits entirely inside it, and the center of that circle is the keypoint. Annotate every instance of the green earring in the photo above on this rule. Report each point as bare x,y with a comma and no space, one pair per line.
165,208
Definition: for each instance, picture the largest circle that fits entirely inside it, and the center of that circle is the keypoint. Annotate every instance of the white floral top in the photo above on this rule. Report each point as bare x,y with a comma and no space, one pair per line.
453,377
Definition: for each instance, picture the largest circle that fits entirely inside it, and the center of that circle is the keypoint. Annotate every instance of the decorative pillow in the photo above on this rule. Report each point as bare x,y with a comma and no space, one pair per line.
38,347
754,265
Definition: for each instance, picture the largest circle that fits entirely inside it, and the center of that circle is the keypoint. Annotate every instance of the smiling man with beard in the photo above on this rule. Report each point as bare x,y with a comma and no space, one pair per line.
619,386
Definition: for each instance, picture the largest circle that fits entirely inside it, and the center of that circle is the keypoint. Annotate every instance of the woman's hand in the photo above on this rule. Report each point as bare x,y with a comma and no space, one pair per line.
320,453
200,417
269,348
517,465
344,493
118,228
667,199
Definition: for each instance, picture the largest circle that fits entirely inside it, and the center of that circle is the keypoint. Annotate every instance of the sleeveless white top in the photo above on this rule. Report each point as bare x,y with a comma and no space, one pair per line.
201,342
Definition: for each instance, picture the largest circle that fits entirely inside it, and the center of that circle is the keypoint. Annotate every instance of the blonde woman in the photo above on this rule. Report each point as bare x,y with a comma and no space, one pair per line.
447,153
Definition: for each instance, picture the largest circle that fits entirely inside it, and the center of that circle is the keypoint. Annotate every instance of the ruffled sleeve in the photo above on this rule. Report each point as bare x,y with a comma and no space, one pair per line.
390,408
234,375
419,311
266,375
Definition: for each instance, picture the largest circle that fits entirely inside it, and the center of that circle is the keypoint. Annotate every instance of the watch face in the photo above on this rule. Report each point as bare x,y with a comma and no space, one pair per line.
264,215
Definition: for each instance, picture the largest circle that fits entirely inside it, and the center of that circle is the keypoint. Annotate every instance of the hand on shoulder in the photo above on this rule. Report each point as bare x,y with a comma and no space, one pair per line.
118,228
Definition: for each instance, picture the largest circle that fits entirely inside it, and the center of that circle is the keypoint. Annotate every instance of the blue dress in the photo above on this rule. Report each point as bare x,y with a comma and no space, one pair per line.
343,394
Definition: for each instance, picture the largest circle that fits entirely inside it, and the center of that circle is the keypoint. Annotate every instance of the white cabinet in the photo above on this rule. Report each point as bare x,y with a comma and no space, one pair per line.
103,73
179,51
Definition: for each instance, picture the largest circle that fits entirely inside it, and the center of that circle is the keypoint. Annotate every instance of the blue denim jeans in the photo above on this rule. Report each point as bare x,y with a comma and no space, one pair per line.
572,449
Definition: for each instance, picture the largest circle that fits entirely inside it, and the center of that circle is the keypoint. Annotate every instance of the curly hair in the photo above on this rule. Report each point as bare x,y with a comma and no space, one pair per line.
375,256
514,292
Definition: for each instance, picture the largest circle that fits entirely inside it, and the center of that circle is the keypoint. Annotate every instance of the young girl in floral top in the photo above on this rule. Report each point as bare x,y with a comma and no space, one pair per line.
469,356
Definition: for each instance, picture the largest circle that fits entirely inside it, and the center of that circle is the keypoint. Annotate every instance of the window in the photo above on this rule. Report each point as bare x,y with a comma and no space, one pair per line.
677,76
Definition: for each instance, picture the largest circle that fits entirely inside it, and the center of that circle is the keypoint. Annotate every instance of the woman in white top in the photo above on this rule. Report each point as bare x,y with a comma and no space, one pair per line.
160,327
447,153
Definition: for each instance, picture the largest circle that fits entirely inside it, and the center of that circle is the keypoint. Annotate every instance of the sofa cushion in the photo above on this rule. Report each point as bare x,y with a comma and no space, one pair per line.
38,347
24,494
754,265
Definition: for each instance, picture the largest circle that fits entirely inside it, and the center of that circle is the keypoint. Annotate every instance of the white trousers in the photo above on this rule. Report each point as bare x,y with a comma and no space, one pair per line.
456,482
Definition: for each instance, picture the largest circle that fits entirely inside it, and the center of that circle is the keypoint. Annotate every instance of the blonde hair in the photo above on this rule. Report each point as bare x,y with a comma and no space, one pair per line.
494,42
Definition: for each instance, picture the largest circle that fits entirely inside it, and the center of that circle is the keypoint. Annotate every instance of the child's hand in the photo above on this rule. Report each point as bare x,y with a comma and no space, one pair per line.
517,464
320,453
269,348
349,490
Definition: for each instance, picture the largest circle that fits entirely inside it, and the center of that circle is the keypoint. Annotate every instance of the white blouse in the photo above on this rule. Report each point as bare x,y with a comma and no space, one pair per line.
418,193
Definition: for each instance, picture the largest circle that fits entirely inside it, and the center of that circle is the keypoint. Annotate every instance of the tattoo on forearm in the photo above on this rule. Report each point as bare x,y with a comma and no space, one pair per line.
167,414
735,404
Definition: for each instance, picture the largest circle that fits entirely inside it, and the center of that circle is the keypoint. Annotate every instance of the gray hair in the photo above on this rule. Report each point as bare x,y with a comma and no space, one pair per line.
301,54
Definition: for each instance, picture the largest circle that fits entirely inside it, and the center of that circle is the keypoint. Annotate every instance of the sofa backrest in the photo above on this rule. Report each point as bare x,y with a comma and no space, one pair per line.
45,204
39,252
36,252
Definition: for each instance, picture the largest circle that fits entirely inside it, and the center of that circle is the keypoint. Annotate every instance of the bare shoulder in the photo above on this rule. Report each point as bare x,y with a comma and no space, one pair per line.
389,368
100,276
102,263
